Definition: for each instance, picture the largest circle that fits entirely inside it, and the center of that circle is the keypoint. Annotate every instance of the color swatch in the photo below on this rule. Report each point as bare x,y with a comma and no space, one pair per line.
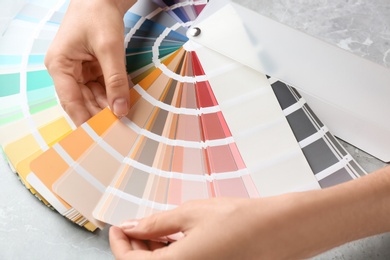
329,161
184,138
200,125
28,102
31,119
26,87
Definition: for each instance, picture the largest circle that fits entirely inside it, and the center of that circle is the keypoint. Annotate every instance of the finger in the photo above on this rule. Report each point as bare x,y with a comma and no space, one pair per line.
119,242
159,254
71,97
111,56
89,100
91,71
158,225
100,80
154,245
138,244
99,93
124,248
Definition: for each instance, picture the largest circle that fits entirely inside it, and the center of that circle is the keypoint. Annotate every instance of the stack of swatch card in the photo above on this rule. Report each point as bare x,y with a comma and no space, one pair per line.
200,125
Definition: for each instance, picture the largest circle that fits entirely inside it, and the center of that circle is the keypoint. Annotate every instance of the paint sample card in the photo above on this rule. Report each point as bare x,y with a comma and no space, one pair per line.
185,137
26,87
22,151
200,125
28,104
30,118
263,135
328,160
64,154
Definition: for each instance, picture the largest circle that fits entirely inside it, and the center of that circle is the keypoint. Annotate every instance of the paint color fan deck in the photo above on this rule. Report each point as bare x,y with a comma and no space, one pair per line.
200,125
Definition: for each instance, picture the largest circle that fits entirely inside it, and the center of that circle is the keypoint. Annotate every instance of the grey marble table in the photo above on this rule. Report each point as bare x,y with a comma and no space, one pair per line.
29,230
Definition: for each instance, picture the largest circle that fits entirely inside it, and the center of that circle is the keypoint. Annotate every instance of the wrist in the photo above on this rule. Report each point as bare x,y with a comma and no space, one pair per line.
367,201
303,224
124,5
121,5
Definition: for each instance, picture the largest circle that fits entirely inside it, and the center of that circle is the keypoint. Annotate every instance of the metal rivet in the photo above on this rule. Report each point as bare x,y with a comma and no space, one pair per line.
195,31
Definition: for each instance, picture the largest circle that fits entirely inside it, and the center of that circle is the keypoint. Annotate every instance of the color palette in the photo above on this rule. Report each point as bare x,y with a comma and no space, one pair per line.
184,138
328,160
26,88
31,120
200,126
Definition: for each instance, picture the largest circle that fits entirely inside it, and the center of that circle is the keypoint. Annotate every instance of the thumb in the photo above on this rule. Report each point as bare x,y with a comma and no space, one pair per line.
112,60
166,225
119,242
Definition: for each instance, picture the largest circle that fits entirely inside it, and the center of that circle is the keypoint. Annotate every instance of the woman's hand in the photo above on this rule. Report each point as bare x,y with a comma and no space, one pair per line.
214,229
87,60
291,226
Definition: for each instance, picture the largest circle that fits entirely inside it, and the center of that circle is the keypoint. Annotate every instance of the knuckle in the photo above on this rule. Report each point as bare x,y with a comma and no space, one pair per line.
107,44
116,80
47,60
50,61
66,105
69,105
151,224
55,63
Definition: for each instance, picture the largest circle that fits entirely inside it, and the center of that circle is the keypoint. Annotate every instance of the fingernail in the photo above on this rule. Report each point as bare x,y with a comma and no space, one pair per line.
176,236
170,238
129,224
120,108
160,240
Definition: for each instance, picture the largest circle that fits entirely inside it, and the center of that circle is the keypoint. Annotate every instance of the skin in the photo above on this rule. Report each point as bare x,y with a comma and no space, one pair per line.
86,59
291,226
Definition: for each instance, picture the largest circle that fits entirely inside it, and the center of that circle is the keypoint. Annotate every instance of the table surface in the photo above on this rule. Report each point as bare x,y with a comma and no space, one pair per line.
30,230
